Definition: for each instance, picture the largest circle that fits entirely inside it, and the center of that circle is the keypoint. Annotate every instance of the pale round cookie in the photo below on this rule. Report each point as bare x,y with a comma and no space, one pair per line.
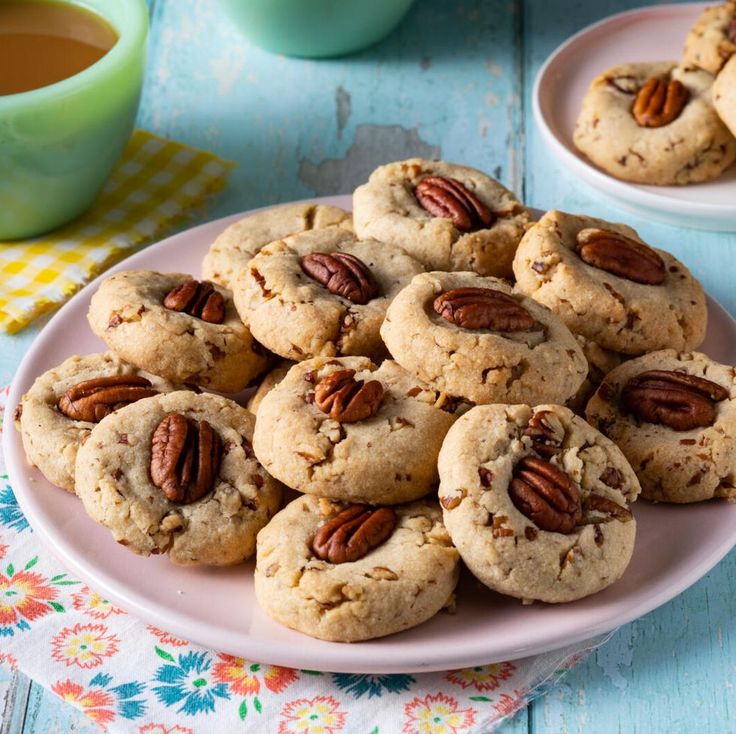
614,311
113,480
297,317
482,365
689,465
551,550
712,40
234,248
387,457
724,94
600,362
52,437
268,383
128,314
388,209
694,146
399,584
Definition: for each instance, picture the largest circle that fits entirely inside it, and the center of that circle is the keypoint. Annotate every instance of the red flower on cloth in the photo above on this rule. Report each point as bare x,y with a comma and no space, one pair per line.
242,676
24,595
89,602
3,551
318,715
482,677
508,705
84,645
161,729
436,714
95,703
165,638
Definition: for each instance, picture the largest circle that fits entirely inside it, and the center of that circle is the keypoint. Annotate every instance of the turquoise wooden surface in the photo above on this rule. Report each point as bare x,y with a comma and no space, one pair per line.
453,81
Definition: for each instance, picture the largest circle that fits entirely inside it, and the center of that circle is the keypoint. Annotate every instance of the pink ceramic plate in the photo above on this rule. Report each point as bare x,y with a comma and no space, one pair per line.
675,547
648,34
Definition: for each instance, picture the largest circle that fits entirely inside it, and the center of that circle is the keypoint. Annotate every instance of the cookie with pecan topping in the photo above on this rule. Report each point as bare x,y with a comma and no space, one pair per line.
537,501
176,474
347,573
322,293
241,241
448,216
346,429
64,404
673,416
479,339
609,286
654,123
185,330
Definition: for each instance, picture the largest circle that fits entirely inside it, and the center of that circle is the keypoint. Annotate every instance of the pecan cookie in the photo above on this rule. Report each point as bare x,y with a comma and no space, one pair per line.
348,430
321,293
478,339
712,40
536,501
724,94
241,241
654,123
674,417
447,216
353,572
605,283
63,405
176,474
182,329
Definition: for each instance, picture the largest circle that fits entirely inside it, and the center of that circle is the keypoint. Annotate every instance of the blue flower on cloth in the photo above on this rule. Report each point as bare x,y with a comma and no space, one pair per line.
10,513
358,684
125,693
190,683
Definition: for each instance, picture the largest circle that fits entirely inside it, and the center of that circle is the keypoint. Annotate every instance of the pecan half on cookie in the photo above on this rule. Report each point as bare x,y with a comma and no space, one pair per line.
346,399
483,308
92,400
185,458
353,533
198,299
448,198
342,274
659,102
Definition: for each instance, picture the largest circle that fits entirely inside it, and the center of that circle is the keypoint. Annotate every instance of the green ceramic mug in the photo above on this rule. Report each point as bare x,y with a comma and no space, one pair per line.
59,143
316,28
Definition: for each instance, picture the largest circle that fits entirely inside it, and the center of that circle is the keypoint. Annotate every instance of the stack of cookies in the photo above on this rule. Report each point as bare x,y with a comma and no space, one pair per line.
426,409
667,122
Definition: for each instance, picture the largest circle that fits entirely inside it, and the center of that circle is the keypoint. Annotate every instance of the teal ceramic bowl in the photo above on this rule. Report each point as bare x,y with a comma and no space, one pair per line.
59,143
316,28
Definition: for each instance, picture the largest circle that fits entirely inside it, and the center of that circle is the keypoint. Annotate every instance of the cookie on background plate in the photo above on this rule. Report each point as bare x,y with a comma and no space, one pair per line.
724,94
352,572
712,40
674,417
176,474
478,339
609,286
351,431
536,501
57,414
241,241
447,216
654,122
322,293
185,330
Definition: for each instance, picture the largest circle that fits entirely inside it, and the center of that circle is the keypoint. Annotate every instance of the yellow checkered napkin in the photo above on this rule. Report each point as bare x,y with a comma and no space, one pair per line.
155,185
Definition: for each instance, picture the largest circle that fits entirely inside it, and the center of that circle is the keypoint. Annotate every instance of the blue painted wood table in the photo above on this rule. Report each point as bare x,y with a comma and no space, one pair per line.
454,81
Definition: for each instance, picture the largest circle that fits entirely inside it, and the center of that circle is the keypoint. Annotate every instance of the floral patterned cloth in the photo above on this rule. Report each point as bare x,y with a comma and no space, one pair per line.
131,677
